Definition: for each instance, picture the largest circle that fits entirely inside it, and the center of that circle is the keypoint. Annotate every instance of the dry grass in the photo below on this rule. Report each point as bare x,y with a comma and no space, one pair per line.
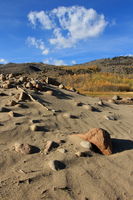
98,82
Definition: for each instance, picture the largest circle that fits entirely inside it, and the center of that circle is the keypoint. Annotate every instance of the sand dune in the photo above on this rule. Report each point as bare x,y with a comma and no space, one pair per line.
96,177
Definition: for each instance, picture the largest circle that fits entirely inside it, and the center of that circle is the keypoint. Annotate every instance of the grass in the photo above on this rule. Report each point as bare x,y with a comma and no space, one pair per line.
98,82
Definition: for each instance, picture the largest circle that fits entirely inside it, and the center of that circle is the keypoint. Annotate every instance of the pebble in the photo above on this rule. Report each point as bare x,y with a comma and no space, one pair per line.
61,150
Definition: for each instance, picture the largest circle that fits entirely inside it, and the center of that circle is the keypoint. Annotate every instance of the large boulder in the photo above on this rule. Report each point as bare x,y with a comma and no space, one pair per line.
100,138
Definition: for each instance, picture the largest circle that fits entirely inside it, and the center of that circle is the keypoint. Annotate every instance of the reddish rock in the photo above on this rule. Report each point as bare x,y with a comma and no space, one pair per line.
100,138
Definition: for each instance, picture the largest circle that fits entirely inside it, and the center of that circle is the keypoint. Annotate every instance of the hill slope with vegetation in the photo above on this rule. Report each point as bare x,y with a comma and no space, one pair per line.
103,75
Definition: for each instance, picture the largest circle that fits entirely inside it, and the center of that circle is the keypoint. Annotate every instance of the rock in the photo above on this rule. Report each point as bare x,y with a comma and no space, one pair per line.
88,107
111,117
112,101
23,96
34,127
2,77
72,89
78,104
12,103
50,92
22,79
67,115
33,82
11,114
100,103
39,86
86,144
6,85
50,145
56,165
29,85
61,150
116,97
23,148
10,76
61,86
100,138
34,121
83,154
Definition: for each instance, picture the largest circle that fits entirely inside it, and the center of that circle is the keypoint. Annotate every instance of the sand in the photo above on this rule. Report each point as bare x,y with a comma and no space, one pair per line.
98,177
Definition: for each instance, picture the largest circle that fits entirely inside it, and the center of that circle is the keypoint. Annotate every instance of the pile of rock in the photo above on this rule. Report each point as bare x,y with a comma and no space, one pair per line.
119,100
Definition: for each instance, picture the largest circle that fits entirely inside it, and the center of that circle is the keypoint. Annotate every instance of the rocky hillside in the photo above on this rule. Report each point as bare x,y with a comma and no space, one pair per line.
121,65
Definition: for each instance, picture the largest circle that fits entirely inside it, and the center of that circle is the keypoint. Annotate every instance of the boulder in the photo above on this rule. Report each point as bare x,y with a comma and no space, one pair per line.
100,138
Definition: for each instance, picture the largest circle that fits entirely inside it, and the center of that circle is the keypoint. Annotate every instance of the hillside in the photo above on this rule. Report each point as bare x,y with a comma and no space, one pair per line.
122,65
103,75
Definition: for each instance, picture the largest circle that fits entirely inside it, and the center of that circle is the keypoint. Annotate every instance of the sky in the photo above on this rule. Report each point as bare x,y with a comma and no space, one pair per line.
65,32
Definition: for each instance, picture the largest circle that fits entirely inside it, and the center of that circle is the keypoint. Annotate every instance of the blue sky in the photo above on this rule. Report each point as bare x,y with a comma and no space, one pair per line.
65,31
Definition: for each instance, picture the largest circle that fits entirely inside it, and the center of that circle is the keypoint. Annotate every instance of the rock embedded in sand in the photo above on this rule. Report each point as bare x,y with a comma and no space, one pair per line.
49,92
23,148
88,107
83,154
34,127
28,85
112,101
56,165
61,150
12,103
100,138
11,114
50,145
23,96
100,103
86,144
116,97
61,86
67,115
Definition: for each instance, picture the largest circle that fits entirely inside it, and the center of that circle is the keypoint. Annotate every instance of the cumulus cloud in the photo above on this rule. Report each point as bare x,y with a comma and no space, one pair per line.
40,17
39,44
69,25
54,61
3,61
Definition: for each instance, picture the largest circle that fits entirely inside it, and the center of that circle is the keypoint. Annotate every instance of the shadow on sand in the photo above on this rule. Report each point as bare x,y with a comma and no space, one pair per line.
120,145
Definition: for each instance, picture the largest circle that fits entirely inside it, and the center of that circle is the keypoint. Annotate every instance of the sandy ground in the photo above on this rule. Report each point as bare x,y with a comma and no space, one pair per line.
99,177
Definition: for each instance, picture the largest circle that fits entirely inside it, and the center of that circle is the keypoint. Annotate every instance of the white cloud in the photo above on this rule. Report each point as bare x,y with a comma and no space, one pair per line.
40,17
69,25
39,44
74,62
3,61
54,62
